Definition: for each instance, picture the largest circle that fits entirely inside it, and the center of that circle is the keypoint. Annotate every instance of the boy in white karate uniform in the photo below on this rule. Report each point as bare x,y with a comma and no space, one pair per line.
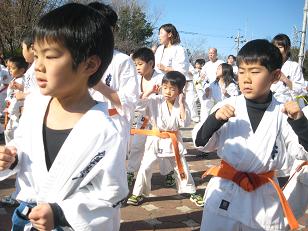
67,152
167,113
149,77
253,137
18,67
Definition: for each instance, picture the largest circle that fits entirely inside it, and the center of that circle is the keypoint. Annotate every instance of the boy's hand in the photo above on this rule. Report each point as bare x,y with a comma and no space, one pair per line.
292,110
225,112
7,157
182,98
156,89
41,217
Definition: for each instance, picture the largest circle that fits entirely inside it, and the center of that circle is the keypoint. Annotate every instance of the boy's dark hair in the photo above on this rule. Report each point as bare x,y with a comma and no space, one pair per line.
234,58
169,28
175,78
260,51
19,62
145,54
284,41
81,30
200,61
227,74
106,11
28,39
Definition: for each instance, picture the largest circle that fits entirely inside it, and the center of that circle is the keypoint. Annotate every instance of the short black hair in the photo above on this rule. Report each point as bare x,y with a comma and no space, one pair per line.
170,28
284,41
200,61
106,11
19,62
80,29
27,39
175,78
260,51
145,54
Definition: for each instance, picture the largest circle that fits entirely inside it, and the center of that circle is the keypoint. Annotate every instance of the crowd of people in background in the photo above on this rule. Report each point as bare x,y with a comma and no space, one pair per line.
249,108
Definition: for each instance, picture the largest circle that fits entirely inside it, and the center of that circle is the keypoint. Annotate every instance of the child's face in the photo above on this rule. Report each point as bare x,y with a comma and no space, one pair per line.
255,81
198,66
170,92
143,68
164,37
219,71
16,72
230,60
54,70
282,51
27,53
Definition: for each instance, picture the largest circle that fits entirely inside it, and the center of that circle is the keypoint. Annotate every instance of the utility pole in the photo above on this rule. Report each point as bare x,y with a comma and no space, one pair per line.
295,36
301,54
238,39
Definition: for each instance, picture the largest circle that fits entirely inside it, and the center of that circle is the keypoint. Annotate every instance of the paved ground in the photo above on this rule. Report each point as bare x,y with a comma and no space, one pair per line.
164,210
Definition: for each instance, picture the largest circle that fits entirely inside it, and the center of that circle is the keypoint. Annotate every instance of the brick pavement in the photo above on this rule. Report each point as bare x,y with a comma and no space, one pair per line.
164,210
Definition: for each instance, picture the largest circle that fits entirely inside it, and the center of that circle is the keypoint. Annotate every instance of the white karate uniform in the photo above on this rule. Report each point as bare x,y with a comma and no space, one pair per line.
284,94
121,76
156,147
174,56
30,80
5,79
209,70
296,190
87,179
14,111
190,94
217,91
249,151
137,142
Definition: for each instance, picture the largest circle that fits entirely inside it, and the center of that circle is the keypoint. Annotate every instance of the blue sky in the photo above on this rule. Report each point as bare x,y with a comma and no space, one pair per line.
214,22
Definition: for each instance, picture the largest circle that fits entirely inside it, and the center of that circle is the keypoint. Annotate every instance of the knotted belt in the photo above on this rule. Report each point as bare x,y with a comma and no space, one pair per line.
164,135
250,182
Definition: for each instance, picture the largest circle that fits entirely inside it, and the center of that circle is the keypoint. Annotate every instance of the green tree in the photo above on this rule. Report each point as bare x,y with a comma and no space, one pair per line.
133,29
19,17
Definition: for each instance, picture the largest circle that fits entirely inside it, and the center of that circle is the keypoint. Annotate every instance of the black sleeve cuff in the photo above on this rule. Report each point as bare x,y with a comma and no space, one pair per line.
208,128
300,127
58,216
15,163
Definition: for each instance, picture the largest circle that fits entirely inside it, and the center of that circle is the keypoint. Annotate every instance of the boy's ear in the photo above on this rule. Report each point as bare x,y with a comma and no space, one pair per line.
92,64
276,75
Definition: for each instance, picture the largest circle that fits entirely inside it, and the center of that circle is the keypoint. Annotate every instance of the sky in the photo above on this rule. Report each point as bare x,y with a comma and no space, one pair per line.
215,23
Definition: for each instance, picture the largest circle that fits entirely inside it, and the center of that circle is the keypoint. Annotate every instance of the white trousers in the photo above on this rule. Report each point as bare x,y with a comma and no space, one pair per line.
215,222
143,181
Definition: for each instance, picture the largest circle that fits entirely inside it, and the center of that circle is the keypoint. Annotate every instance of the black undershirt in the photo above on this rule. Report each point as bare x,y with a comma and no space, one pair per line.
53,141
255,113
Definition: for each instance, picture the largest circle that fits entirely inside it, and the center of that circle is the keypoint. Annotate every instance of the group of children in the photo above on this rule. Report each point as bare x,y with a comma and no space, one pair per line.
69,149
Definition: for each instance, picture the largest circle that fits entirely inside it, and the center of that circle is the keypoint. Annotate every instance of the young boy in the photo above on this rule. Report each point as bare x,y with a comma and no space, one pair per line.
66,147
18,67
145,62
167,113
252,136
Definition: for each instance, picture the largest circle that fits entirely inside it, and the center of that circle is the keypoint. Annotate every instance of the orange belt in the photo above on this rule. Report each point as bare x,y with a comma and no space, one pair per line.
164,135
112,112
250,182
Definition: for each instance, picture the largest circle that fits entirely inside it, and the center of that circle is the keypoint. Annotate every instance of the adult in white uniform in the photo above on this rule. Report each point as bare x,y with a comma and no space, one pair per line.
252,136
67,148
208,72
